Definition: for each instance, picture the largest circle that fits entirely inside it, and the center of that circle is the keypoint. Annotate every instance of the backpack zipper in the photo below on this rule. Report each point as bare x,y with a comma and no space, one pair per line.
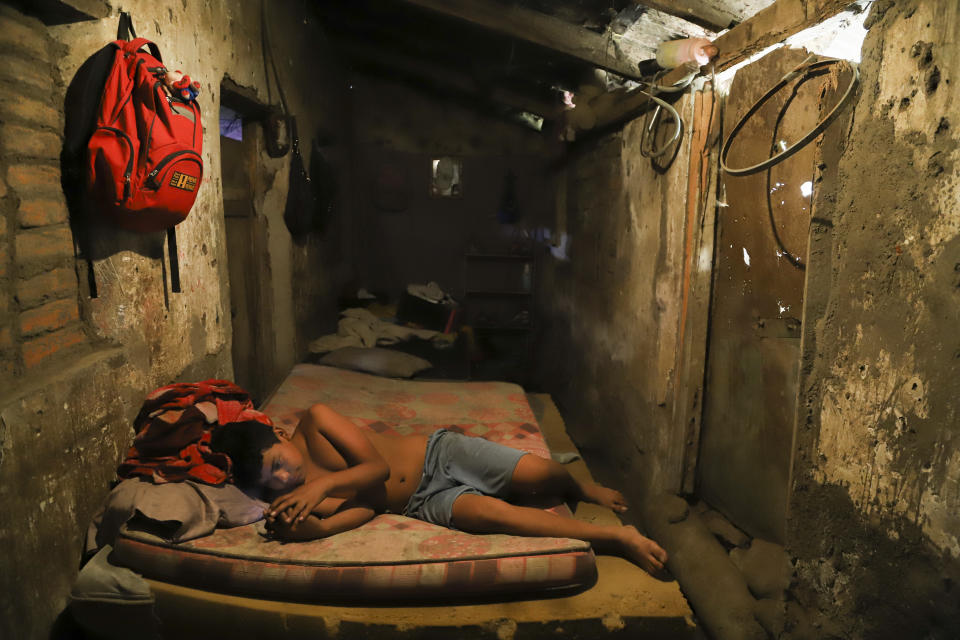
129,171
151,177
128,97
156,89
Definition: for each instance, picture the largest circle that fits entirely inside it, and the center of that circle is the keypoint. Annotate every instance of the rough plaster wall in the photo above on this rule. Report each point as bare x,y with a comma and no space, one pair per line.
64,428
209,41
610,315
874,512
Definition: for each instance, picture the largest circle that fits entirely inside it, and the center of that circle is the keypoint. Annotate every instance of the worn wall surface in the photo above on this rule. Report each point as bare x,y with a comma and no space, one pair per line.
610,314
409,236
75,369
874,513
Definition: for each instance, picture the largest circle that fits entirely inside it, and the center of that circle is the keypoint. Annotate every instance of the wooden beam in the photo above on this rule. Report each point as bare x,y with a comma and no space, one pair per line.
539,28
695,301
774,24
693,11
456,81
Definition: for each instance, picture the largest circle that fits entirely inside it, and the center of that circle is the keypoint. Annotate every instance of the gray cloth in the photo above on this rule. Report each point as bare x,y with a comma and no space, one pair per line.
112,602
455,464
101,580
175,511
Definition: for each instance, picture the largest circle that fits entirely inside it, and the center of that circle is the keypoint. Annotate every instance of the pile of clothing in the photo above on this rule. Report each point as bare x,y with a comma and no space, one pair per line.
360,328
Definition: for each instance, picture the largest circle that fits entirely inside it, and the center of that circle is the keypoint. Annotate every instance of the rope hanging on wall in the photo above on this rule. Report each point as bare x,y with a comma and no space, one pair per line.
803,71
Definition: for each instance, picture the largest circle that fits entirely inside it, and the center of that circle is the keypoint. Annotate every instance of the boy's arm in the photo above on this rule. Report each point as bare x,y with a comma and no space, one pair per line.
365,466
313,526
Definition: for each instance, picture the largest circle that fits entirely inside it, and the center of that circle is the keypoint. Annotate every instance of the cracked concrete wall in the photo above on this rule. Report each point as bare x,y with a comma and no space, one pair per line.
610,314
874,513
66,423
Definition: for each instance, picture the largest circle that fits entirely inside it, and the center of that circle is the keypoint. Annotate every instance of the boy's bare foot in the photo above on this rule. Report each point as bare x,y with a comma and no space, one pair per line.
603,496
642,550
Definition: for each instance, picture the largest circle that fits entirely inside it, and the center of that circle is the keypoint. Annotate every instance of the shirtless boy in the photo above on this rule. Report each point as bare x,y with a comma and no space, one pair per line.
331,476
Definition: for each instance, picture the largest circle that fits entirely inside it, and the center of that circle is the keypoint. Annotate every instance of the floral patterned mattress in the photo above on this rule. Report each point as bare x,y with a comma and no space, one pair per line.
391,557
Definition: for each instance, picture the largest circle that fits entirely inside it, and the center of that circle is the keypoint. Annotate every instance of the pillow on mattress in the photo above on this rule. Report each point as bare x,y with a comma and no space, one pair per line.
381,362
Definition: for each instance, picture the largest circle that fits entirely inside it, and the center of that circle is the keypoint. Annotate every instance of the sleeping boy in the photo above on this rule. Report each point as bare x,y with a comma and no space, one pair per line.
331,476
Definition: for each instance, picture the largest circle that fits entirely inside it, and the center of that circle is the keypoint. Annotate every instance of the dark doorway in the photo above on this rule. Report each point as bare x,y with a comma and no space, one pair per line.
247,253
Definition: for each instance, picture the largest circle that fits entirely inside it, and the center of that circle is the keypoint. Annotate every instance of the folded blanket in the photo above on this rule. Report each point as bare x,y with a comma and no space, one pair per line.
173,427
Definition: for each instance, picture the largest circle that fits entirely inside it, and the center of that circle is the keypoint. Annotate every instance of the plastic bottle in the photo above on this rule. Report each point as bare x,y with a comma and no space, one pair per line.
673,53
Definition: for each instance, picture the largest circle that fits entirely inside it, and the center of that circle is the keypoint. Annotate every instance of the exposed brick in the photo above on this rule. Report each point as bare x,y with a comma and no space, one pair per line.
28,73
23,35
3,227
51,285
41,348
6,340
44,244
41,212
3,188
13,106
50,316
4,260
23,141
33,178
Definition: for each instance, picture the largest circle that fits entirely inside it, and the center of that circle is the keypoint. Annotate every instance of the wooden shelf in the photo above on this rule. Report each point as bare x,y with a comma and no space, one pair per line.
498,288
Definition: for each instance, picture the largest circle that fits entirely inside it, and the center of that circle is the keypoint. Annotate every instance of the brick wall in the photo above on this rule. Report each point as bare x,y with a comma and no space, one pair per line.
39,315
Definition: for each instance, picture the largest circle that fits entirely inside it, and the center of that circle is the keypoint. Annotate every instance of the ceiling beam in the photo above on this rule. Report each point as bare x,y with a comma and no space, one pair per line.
693,11
774,24
441,77
474,55
538,28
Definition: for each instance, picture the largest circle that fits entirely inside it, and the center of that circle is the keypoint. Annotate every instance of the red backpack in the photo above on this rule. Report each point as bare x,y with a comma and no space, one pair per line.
144,156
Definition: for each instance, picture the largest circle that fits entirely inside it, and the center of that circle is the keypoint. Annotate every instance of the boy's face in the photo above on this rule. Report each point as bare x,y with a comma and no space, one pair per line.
282,466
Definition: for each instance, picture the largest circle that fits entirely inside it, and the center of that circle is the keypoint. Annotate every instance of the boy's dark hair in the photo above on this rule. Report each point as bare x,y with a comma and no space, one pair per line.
244,442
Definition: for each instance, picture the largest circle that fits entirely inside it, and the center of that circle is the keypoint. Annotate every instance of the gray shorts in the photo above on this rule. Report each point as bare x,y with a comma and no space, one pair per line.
456,464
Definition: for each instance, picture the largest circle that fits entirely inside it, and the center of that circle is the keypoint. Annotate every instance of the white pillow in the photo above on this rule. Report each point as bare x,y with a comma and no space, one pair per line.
381,362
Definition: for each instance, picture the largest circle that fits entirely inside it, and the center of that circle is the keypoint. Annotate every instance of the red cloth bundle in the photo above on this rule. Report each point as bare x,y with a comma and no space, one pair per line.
173,428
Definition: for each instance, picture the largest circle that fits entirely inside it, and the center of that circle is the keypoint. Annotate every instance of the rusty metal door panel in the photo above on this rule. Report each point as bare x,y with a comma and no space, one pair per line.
754,350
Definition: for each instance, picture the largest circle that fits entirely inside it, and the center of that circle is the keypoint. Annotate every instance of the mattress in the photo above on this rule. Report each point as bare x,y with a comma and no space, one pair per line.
391,557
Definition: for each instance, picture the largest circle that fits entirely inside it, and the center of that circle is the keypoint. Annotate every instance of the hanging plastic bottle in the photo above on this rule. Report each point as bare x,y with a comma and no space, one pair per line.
673,53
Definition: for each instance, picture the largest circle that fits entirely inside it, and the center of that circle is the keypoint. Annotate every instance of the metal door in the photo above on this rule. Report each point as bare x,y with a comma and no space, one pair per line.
754,335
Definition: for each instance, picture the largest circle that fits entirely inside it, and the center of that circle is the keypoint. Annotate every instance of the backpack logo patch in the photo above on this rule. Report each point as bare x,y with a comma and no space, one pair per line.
183,181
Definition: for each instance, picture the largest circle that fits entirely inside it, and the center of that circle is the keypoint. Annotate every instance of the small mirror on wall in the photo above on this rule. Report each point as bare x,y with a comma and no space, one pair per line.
446,176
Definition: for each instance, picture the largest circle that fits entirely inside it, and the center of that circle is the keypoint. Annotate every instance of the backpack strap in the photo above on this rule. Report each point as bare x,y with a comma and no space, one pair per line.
134,45
125,31
174,263
125,27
